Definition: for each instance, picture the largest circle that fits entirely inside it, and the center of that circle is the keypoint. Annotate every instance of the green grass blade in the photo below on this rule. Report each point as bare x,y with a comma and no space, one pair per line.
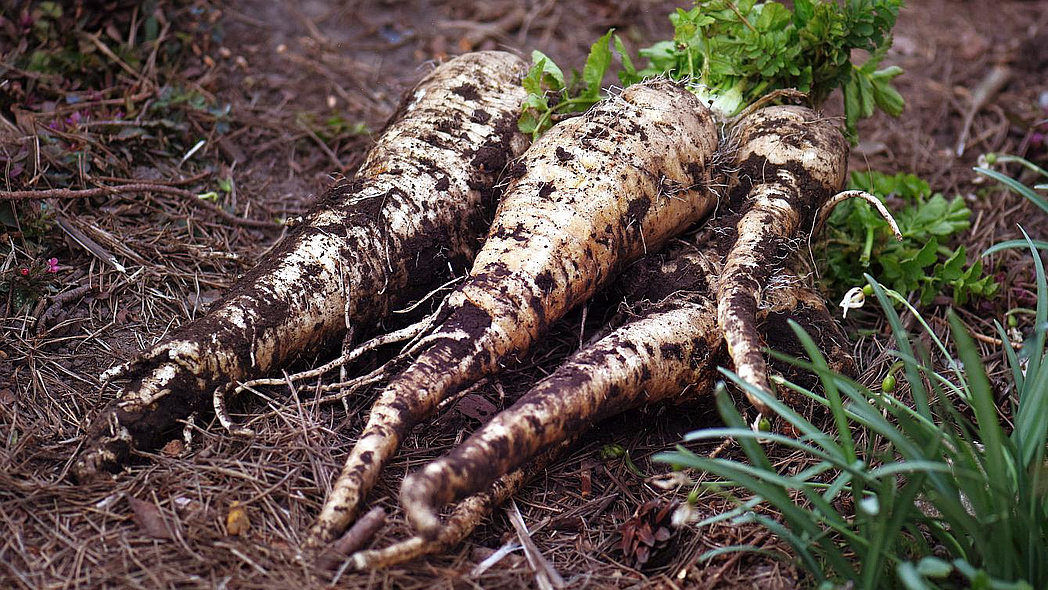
910,579
809,430
732,418
1031,420
1038,244
1013,359
765,484
990,433
708,555
1016,186
829,386
902,340
1031,417
740,434
1004,158
801,546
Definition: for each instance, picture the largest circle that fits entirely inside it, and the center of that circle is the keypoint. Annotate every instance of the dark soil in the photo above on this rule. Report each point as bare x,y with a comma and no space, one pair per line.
285,95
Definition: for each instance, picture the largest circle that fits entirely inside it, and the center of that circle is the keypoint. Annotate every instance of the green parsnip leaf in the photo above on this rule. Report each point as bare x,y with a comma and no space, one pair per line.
859,241
628,75
732,53
596,65
545,83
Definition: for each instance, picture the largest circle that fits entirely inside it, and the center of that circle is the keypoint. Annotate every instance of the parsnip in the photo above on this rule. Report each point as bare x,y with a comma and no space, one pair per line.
414,212
670,353
790,162
597,192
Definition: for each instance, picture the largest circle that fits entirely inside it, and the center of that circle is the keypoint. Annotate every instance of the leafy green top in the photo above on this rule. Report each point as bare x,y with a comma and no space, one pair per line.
861,242
734,52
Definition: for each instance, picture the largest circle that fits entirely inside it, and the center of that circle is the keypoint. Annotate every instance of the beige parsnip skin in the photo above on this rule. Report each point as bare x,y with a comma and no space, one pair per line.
791,161
595,193
669,353
418,206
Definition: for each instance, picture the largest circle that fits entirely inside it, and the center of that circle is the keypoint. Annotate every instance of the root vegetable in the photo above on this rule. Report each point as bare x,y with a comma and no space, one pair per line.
414,211
670,353
791,161
597,192
463,519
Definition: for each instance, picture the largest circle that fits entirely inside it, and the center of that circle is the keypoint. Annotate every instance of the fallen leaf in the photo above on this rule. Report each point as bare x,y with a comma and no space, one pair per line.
476,406
148,518
644,534
173,448
237,522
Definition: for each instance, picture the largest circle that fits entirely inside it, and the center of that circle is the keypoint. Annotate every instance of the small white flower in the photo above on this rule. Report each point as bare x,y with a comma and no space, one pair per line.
684,514
853,299
671,481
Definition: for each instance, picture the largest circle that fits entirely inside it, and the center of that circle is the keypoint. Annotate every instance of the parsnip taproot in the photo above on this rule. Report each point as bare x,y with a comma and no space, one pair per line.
790,162
669,353
596,193
416,209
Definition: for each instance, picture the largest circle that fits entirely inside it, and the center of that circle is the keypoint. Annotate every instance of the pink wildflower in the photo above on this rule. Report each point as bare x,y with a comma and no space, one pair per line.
24,271
52,265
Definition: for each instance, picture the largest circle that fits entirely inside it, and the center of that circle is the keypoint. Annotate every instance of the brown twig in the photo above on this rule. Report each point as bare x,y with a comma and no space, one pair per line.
138,187
979,336
991,84
353,540
58,301
174,182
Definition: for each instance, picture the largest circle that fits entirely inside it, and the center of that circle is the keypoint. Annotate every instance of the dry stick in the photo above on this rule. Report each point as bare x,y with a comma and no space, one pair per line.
138,187
356,537
175,182
980,336
323,146
78,236
546,577
58,301
987,88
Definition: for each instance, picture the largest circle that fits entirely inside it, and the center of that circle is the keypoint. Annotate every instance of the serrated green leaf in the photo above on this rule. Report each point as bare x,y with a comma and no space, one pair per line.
852,104
532,82
628,75
916,264
887,98
551,74
596,65
803,11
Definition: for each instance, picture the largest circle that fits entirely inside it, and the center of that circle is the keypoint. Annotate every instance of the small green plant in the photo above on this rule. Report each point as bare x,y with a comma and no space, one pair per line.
859,241
27,283
545,82
615,451
934,496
